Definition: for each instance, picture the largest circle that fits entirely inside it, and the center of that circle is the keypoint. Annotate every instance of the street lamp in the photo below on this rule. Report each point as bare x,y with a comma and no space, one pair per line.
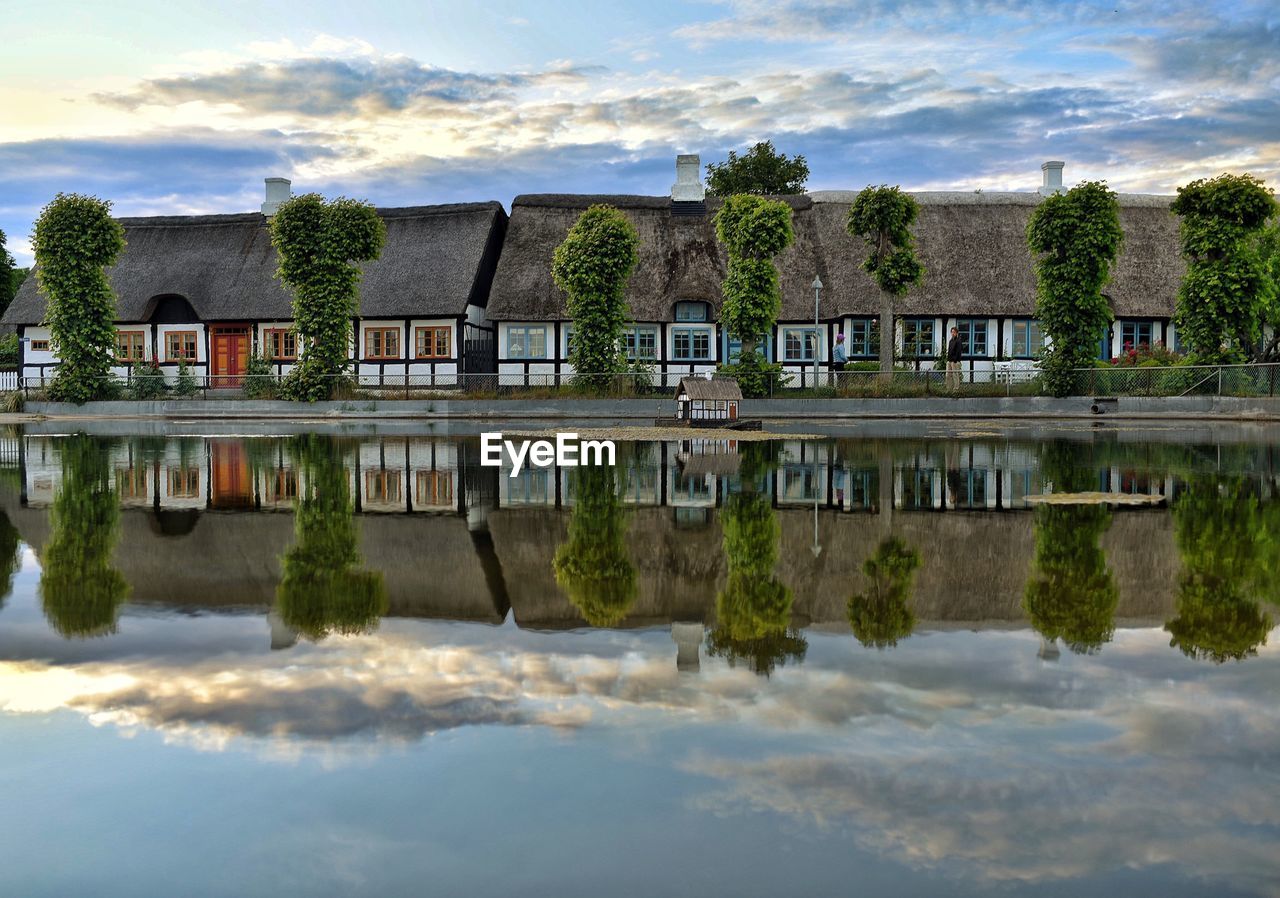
817,291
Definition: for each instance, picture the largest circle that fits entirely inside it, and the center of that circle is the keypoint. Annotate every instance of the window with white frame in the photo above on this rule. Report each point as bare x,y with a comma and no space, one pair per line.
973,336
799,344
917,337
858,339
527,341
1135,334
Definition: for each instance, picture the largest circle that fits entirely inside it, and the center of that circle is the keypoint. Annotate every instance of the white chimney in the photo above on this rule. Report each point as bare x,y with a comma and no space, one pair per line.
687,188
1052,178
277,193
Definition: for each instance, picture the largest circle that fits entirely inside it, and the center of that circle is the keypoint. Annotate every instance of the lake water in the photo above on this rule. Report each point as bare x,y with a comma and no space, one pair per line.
367,665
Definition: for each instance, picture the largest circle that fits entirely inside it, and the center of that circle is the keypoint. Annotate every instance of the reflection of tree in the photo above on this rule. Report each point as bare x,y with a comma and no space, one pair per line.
1227,541
592,566
10,559
880,616
79,588
322,590
754,608
1071,595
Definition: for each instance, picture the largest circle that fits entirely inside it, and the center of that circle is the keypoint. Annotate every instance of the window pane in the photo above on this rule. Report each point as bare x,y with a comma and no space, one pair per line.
537,342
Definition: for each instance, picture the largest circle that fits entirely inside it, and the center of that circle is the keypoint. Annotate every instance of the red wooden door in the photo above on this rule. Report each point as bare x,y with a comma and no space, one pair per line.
230,357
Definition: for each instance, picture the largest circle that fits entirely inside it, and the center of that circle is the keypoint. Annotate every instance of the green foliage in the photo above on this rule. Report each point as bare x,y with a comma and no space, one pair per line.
9,281
1269,256
75,239
10,557
1230,544
753,611
185,386
1072,594
753,230
592,267
146,381
762,171
259,380
882,216
1076,236
80,591
319,243
322,589
1226,290
9,352
880,616
592,566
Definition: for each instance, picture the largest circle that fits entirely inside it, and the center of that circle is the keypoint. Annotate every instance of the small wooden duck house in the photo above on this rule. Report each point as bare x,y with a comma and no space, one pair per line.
707,403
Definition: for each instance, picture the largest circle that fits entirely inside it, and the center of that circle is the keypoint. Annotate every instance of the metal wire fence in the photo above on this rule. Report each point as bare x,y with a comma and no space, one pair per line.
1109,381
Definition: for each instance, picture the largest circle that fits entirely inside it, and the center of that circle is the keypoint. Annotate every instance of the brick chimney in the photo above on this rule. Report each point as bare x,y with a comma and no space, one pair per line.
277,193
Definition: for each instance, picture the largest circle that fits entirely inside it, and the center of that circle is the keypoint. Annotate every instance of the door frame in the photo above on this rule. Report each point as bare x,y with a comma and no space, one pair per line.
233,329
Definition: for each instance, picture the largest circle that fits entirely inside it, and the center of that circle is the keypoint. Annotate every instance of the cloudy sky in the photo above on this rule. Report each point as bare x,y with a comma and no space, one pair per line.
179,106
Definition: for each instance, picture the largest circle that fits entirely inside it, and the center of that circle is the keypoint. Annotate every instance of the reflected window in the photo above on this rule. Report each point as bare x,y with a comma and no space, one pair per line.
917,488
529,487
799,483
184,483
435,488
131,483
281,486
382,486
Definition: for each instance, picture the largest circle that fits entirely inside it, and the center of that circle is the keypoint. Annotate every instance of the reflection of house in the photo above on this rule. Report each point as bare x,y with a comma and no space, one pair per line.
202,290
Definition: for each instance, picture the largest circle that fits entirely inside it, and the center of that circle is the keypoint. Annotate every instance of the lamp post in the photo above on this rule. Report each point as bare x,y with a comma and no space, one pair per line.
817,345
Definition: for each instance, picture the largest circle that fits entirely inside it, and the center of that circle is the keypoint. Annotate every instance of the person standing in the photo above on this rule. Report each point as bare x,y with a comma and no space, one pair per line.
954,351
841,355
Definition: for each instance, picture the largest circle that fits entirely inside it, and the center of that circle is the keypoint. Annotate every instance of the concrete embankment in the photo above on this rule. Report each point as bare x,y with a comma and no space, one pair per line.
1033,407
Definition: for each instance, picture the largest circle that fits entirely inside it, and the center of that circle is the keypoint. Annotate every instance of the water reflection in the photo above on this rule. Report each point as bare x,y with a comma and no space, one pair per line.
592,565
81,590
1229,544
880,614
323,590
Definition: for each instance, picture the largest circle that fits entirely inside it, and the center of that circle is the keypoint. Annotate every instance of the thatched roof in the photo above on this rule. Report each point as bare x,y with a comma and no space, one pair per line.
437,259
973,246
709,388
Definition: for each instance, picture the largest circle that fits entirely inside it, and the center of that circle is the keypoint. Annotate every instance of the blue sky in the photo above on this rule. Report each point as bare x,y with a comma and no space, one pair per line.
177,106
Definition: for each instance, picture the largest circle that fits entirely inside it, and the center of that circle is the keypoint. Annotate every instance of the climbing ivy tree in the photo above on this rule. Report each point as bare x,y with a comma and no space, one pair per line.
319,243
1269,254
323,589
880,615
1229,543
882,217
592,267
753,611
75,239
1076,236
1225,291
753,230
593,566
1071,594
8,276
79,588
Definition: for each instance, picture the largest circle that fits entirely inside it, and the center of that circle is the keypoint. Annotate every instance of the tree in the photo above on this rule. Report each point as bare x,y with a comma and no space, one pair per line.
10,557
1071,594
323,590
1228,542
1269,254
753,230
880,616
762,171
1077,237
319,243
8,276
80,590
882,216
592,267
593,566
1225,291
753,611
75,239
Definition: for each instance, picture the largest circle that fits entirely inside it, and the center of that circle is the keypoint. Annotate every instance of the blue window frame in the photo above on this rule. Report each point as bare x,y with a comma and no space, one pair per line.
642,342
973,337
1104,344
691,344
732,347
857,341
1135,334
527,341
1028,340
798,344
918,337
691,311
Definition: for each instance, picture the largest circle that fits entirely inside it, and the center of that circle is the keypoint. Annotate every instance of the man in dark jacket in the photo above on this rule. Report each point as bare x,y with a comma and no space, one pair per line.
953,360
